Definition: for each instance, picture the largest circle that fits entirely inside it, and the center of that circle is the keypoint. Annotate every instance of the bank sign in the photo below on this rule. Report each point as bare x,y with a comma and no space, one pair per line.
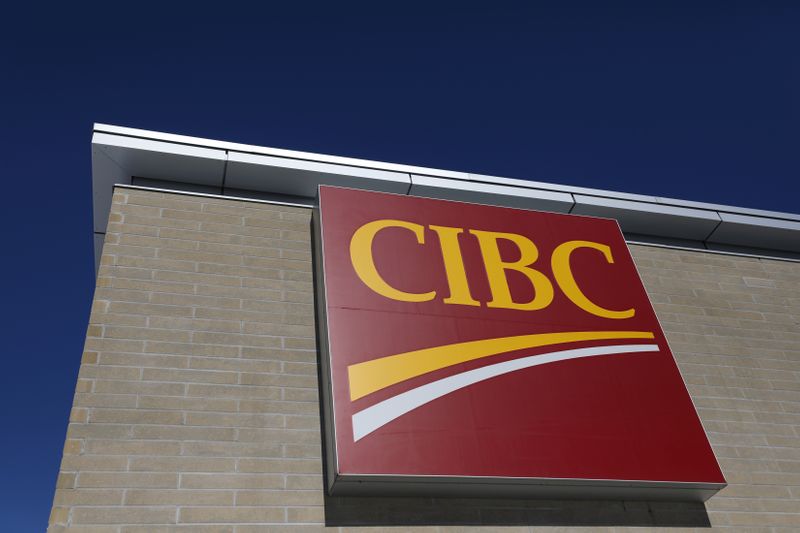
470,349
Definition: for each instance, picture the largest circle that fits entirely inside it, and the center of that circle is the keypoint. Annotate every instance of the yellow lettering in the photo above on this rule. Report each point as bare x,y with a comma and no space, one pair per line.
364,263
562,271
496,271
454,266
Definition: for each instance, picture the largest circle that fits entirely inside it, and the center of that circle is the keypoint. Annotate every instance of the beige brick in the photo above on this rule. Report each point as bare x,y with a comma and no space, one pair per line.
300,368
154,242
200,256
164,298
138,387
305,514
94,463
110,372
232,449
183,433
115,227
73,497
273,354
232,481
235,420
311,409
299,344
235,365
194,528
278,284
303,422
181,464
301,395
304,482
289,466
98,431
299,528
234,391
239,271
232,339
114,345
147,334
127,480
239,249
122,515
133,447
161,223
287,330
284,380
59,515
237,230
283,436
300,226
202,217
136,416
137,210
205,280
185,287
301,450
79,415
165,200
188,376
65,480
73,447
145,360
186,404
239,515
279,498
179,497
148,309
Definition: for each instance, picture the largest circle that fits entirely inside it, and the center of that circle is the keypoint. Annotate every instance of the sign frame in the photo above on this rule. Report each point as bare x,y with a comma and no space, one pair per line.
339,484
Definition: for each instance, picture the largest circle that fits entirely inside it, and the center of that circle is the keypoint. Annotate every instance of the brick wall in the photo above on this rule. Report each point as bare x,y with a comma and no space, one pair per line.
734,326
196,407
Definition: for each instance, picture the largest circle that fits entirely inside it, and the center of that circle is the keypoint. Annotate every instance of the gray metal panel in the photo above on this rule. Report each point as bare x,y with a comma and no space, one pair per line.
277,152
728,209
99,239
757,232
285,199
119,153
354,485
485,193
105,174
301,178
650,218
162,160
638,238
749,251
557,187
175,185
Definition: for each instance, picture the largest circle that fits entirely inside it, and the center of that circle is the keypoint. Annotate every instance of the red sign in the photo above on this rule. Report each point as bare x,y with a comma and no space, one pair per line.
494,346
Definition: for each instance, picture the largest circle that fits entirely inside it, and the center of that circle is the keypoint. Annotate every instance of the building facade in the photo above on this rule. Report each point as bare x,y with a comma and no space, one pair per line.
197,406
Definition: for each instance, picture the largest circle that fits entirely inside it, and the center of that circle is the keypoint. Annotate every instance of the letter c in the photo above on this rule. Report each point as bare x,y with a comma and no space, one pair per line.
364,263
562,271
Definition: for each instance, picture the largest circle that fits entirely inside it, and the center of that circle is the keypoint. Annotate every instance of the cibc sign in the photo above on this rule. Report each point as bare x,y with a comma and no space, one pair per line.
477,350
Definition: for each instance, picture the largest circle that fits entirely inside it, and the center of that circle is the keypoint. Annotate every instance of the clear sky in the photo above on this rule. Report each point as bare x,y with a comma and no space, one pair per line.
700,103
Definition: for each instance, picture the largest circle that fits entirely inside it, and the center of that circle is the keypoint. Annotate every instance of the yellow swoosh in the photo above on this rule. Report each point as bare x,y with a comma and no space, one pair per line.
370,376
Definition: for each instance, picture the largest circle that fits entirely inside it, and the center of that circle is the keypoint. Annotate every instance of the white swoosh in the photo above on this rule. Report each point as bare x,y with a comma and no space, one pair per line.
380,414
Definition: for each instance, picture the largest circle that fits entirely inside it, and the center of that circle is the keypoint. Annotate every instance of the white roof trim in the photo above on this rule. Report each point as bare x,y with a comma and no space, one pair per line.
122,155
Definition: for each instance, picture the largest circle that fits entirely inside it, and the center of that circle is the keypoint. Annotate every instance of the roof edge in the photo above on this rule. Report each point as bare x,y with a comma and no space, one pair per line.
122,155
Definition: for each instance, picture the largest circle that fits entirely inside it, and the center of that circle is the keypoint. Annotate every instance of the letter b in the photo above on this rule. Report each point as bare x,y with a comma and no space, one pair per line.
496,271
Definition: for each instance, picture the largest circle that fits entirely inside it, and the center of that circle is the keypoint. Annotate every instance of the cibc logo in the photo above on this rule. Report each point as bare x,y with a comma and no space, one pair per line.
496,268
497,347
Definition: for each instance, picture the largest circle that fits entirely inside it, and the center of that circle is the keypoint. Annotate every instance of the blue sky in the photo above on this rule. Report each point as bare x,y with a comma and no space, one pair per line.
700,101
